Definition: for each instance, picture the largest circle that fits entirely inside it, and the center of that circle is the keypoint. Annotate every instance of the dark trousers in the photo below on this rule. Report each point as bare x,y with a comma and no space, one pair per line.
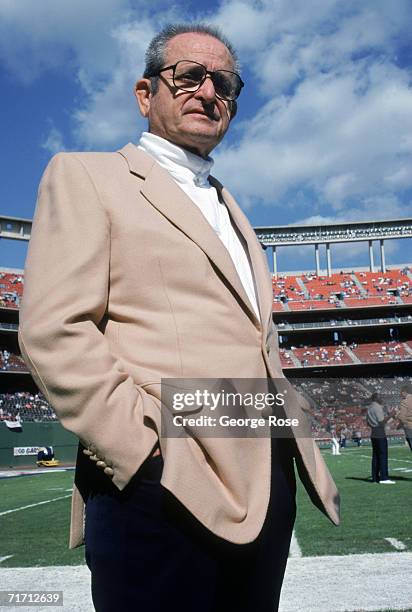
147,553
379,455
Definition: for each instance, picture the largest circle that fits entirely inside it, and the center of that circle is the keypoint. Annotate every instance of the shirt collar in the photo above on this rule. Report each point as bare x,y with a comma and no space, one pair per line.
182,164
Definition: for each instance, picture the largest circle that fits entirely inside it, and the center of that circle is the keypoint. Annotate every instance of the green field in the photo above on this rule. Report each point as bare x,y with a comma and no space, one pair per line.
370,512
38,536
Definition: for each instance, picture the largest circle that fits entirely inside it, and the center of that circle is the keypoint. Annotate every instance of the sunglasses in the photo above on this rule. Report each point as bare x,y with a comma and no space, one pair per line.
190,76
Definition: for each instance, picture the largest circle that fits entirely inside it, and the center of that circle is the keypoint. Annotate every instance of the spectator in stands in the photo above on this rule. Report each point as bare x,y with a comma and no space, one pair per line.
35,408
405,412
377,420
151,277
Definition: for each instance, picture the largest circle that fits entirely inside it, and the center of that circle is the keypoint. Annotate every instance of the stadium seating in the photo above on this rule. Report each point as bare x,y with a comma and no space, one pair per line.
341,404
27,406
342,290
294,292
326,355
381,352
365,300
11,289
11,363
372,352
286,359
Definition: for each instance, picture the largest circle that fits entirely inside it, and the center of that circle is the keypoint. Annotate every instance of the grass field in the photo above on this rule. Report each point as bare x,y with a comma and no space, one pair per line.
370,512
37,536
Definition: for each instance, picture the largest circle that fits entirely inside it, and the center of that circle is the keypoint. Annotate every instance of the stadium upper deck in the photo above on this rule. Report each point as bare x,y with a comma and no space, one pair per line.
358,289
327,234
311,311
306,306
303,292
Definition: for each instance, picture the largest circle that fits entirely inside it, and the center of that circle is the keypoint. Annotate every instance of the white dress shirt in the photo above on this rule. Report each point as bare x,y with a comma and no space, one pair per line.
191,173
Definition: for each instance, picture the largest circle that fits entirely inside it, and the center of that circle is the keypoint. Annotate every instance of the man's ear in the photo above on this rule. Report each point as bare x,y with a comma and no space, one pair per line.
232,109
143,93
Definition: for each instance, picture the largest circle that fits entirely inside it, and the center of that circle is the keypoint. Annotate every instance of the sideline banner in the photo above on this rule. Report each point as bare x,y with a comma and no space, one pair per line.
19,451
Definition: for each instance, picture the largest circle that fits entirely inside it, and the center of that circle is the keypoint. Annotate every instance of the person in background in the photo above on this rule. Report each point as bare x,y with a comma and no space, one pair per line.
357,437
405,412
342,437
335,442
377,420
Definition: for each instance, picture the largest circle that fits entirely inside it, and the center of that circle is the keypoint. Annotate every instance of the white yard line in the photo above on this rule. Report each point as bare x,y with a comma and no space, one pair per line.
295,550
47,501
390,459
396,543
32,472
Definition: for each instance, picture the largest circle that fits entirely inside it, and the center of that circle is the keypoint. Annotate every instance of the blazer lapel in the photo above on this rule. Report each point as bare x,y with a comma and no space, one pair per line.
257,256
165,195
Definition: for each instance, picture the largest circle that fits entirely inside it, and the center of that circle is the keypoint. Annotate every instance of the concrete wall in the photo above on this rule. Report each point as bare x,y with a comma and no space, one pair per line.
36,434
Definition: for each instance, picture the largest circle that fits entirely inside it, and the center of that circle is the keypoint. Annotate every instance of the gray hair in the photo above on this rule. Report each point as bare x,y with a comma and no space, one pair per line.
156,51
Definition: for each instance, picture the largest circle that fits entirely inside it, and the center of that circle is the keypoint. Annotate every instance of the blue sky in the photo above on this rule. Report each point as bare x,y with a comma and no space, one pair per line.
324,129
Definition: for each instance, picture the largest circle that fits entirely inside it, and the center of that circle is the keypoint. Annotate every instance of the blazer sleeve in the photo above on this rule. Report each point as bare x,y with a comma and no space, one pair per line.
64,302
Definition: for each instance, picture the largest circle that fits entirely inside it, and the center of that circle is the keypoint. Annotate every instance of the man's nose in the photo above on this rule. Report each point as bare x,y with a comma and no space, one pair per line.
207,90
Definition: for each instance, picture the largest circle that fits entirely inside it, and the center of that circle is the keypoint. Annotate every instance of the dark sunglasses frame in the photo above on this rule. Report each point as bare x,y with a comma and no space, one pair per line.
211,73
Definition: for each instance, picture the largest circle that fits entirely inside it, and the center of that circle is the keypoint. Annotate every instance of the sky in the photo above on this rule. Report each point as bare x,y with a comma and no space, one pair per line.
324,127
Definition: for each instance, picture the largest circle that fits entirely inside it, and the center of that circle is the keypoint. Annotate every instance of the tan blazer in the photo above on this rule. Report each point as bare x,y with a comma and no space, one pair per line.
125,283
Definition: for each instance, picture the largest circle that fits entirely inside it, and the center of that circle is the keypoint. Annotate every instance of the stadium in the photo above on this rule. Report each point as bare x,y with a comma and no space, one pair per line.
343,334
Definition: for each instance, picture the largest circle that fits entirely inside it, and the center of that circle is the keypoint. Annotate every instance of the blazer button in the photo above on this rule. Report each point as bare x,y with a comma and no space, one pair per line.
101,464
108,471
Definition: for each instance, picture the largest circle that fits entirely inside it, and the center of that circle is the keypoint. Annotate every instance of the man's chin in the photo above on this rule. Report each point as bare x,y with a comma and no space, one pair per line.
200,137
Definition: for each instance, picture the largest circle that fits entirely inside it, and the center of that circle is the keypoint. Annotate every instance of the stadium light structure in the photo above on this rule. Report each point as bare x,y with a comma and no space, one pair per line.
356,231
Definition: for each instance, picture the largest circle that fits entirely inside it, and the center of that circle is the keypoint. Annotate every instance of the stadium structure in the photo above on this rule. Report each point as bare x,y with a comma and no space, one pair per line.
352,326
342,335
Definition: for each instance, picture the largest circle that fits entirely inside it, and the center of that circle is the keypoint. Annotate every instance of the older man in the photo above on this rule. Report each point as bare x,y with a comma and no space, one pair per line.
154,272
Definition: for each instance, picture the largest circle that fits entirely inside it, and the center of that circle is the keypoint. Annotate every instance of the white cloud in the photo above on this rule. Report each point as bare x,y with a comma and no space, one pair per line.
99,42
110,114
338,116
377,207
36,36
333,107
54,142
245,23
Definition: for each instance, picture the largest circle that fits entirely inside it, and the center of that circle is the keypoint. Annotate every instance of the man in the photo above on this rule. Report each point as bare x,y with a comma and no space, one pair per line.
405,412
376,420
154,272
335,442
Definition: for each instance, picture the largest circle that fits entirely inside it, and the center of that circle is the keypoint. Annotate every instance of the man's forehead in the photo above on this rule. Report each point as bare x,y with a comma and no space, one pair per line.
199,47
